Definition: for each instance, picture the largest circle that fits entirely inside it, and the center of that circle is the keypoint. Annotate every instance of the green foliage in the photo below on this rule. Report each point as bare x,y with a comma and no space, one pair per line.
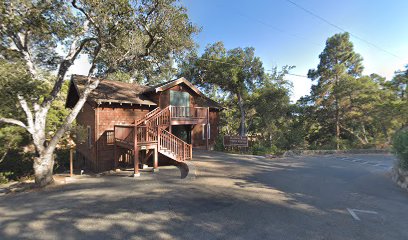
19,162
219,143
400,147
4,177
262,149
339,65
236,71
40,40
61,160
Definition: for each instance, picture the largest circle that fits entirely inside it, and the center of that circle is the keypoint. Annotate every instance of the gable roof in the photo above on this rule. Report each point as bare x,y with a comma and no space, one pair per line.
166,85
202,100
110,91
128,93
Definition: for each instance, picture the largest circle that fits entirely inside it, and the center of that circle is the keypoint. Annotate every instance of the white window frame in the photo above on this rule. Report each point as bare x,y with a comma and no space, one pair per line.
208,130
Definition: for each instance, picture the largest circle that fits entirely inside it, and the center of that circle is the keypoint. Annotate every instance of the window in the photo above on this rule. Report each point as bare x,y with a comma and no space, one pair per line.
110,137
181,101
208,131
89,136
203,131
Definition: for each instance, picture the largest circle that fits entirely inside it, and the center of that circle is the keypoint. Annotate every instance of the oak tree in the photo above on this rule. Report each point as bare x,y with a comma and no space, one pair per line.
46,37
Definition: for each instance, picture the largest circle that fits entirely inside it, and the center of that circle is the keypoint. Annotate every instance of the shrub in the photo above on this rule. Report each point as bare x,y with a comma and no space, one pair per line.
18,163
4,177
263,149
219,143
61,163
400,147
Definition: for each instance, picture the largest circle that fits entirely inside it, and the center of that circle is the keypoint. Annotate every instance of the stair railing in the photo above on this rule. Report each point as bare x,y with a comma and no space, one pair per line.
173,144
147,116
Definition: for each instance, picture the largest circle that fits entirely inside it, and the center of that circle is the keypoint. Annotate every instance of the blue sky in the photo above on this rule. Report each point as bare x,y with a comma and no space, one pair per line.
283,34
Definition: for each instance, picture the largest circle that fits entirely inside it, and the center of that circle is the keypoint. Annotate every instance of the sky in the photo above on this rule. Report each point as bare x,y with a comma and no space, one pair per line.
283,34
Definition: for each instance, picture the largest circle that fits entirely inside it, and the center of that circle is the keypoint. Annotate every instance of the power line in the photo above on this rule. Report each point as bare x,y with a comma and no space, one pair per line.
342,29
238,65
276,28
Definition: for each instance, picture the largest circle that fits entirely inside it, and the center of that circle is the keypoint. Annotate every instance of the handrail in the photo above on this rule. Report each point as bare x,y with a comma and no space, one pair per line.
148,115
124,133
161,118
178,147
153,131
146,134
188,112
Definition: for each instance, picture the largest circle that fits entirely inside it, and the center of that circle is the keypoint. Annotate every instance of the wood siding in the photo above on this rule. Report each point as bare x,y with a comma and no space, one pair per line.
197,132
85,118
108,116
102,118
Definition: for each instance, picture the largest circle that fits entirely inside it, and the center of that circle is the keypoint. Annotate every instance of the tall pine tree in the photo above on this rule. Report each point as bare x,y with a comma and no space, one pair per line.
338,62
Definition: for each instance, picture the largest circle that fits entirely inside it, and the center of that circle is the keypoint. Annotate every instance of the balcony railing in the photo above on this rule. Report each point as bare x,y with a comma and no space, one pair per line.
124,134
188,112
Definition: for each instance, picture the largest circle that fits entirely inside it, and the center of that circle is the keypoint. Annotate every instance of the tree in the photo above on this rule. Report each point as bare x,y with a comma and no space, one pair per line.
271,110
237,71
399,86
338,62
117,36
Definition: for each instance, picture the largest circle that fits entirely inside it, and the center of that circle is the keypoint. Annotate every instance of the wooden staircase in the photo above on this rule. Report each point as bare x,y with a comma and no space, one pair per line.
150,133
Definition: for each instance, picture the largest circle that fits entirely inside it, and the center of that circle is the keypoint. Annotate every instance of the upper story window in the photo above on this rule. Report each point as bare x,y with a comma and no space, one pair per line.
181,103
181,99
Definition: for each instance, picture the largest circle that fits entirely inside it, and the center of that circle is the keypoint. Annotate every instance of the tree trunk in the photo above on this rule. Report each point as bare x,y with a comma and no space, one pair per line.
43,169
364,133
362,141
241,108
337,114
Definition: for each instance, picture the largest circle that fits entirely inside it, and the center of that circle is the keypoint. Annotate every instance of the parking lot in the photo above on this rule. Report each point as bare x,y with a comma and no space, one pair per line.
231,197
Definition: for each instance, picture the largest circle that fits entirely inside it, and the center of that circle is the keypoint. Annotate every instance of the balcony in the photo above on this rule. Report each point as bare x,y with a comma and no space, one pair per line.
188,115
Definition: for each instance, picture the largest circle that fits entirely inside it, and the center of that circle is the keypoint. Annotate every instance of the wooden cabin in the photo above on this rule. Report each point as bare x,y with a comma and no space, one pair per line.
129,125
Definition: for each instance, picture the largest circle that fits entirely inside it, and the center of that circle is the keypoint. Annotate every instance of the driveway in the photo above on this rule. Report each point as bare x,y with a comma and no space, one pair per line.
232,197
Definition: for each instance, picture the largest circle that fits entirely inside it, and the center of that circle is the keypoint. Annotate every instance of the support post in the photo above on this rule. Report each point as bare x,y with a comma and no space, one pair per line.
115,153
71,161
184,151
156,160
206,127
135,154
115,156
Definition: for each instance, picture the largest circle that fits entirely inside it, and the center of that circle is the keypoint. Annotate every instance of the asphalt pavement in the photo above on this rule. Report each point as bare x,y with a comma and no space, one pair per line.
231,197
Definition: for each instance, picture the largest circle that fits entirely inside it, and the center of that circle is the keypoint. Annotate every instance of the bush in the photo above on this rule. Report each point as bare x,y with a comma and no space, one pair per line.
400,147
263,149
4,177
18,163
219,143
61,163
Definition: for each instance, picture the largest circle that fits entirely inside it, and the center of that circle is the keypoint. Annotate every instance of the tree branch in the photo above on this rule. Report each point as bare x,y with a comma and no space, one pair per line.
88,17
20,42
4,155
27,111
354,134
13,121
89,87
68,61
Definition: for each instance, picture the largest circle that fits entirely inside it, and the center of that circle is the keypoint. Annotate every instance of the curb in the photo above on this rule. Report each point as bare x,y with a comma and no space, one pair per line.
293,153
400,177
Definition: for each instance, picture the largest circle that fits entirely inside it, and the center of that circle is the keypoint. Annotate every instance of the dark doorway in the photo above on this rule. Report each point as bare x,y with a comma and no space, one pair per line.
183,132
